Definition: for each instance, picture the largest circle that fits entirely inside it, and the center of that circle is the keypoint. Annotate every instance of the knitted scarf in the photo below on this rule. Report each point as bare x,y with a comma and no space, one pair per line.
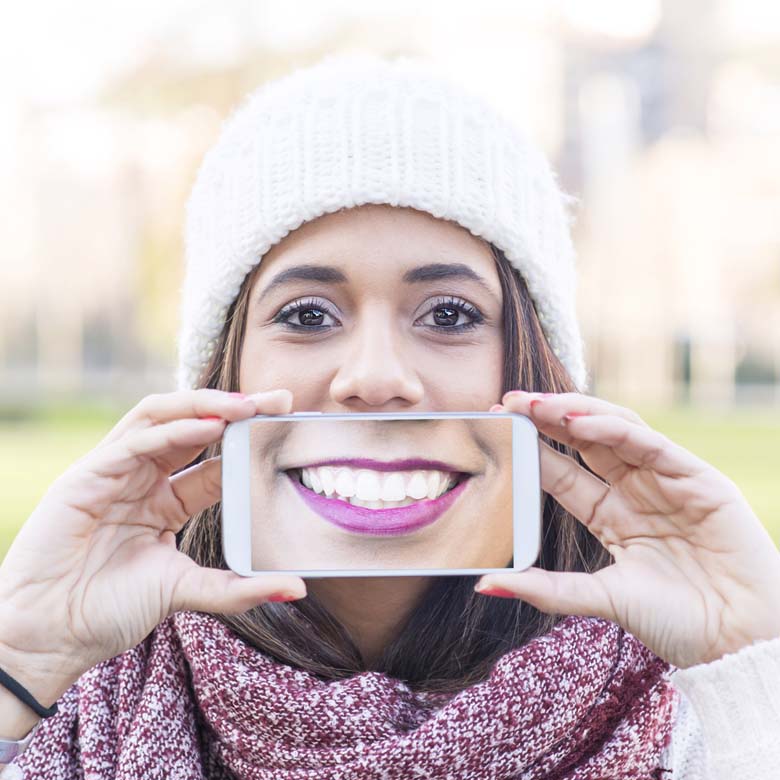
587,701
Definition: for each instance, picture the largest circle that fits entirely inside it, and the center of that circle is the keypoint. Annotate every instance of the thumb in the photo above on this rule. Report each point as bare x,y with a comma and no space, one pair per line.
204,589
554,592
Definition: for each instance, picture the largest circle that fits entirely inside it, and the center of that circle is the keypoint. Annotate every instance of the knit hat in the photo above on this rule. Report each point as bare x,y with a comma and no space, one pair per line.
357,128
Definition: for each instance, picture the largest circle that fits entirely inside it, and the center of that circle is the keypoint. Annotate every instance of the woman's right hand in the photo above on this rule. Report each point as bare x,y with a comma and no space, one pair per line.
95,567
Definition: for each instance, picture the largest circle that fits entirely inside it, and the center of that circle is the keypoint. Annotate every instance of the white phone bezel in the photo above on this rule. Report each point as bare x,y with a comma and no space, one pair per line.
236,532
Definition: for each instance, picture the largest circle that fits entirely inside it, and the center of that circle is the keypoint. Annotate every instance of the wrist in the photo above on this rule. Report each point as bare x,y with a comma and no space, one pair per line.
45,674
36,675
16,718
46,677
738,644
35,653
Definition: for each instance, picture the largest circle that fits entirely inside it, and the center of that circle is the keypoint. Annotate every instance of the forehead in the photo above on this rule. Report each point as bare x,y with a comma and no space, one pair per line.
378,240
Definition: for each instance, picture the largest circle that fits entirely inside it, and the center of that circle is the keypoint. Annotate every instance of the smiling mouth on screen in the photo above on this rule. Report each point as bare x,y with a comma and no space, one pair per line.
379,498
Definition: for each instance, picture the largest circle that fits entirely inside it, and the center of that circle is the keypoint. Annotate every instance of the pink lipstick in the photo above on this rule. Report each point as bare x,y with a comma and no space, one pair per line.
378,522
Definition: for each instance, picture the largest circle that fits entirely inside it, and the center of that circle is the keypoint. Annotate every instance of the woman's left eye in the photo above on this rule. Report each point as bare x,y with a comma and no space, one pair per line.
448,311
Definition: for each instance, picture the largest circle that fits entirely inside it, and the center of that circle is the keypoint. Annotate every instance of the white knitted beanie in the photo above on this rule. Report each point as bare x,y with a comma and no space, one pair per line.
358,128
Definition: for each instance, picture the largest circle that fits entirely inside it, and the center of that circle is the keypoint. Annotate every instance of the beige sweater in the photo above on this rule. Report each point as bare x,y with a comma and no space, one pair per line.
728,722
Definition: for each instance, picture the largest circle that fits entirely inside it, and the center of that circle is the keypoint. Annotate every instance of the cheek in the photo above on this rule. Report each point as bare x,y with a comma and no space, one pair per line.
466,379
267,365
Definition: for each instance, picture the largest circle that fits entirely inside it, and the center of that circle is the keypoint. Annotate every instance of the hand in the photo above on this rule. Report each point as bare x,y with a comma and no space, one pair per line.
95,568
695,574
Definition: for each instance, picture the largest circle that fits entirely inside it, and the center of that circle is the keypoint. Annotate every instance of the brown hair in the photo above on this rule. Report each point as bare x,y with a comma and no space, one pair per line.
454,636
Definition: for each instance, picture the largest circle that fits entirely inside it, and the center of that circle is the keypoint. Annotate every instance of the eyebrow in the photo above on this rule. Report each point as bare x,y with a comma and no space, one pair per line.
329,275
435,271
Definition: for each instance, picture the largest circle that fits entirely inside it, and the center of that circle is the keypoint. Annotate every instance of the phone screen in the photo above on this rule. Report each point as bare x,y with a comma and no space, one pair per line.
373,494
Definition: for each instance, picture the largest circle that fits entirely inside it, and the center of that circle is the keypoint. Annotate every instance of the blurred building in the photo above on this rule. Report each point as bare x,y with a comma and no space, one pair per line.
672,144
668,137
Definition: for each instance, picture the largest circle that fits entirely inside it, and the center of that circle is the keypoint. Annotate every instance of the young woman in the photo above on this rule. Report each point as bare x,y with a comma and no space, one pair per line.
365,236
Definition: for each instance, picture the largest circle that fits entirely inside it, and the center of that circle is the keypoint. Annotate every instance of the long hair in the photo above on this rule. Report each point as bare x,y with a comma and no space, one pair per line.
453,637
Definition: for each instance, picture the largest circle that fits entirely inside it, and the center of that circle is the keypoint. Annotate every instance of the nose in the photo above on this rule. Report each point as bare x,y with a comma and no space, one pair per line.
377,369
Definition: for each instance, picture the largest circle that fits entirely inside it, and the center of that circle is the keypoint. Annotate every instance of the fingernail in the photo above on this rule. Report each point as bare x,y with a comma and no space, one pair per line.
238,395
535,401
571,415
496,408
496,591
285,597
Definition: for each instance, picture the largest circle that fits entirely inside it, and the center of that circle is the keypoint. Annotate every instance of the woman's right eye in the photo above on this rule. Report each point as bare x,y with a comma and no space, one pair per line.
309,313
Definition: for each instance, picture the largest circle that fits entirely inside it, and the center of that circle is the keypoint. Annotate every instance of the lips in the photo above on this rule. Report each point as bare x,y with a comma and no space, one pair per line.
393,521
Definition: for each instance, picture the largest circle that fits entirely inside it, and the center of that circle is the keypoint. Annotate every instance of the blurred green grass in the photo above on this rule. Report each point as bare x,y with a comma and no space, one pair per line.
36,447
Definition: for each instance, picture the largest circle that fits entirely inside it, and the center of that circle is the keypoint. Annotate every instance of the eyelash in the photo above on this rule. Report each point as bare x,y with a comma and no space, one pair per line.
443,302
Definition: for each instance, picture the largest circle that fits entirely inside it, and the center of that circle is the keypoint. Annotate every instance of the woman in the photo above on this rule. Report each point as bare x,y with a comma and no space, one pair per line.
415,257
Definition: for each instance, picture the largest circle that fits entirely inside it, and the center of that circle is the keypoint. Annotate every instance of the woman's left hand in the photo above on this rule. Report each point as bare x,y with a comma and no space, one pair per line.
695,573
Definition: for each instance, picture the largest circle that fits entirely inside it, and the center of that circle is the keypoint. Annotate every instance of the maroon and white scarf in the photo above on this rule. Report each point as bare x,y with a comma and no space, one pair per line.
587,701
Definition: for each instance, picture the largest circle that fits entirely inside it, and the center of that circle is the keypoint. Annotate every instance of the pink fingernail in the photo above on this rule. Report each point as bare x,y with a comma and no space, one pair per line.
571,415
535,401
496,591
283,597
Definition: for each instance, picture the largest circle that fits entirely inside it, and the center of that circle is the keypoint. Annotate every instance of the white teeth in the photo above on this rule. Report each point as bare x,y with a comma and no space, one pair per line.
316,484
434,481
345,485
418,485
393,488
367,486
327,479
376,489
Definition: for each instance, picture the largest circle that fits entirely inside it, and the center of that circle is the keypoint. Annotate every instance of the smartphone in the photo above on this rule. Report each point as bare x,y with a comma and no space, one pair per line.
385,494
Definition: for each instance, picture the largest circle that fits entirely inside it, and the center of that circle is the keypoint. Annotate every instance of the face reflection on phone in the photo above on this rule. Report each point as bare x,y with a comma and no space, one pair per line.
381,494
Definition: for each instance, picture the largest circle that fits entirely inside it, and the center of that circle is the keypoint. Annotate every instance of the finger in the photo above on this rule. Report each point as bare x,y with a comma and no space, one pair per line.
547,415
277,401
635,445
268,402
560,593
205,402
574,488
218,590
641,506
199,486
165,407
562,403
169,445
